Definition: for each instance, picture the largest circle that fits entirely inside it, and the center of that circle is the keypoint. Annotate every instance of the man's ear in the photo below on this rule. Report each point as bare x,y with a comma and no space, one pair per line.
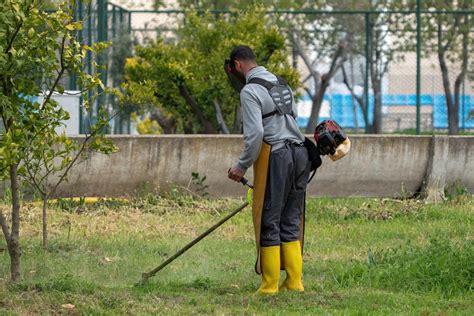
237,65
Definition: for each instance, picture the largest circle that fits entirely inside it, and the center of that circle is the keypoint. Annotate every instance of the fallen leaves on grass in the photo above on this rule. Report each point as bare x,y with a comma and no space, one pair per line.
68,306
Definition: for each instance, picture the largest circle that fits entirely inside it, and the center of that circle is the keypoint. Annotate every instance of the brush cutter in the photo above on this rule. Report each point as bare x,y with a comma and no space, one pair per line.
149,274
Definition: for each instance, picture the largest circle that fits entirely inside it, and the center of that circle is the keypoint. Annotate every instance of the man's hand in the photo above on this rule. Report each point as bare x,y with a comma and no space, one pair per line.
236,174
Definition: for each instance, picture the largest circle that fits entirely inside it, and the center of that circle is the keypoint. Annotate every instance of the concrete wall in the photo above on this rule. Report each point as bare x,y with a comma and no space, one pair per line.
378,166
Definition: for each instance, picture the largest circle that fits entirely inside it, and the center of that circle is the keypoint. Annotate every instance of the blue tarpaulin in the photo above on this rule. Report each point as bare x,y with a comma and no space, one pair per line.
341,109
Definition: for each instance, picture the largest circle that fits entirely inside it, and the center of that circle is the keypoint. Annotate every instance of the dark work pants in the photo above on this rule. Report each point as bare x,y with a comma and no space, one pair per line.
288,173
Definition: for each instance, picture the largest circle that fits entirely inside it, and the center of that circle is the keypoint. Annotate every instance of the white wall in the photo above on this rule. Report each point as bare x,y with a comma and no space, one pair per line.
69,101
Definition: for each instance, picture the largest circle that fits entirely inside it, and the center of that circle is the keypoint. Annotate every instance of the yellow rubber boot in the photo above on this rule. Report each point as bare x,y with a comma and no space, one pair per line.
293,263
270,262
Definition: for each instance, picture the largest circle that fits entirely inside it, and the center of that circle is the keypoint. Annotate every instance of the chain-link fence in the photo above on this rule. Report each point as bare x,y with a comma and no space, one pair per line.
104,22
364,63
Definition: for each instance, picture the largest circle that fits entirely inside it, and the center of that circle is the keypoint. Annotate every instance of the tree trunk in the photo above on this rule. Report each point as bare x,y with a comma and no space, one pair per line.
317,101
168,124
208,128
338,60
353,101
457,86
14,239
45,222
453,122
220,119
358,98
451,105
377,123
453,118
238,121
294,57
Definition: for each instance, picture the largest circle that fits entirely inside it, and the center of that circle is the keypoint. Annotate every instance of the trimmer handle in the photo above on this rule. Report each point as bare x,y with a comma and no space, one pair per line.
244,181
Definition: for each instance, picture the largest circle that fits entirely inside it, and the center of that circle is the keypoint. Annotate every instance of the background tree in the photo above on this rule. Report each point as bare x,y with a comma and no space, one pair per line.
120,50
312,38
38,49
390,39
188,77
323,43
323,48
449,37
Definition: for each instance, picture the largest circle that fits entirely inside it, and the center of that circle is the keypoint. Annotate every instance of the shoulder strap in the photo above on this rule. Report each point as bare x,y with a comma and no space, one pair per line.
267,84
282,81
264,116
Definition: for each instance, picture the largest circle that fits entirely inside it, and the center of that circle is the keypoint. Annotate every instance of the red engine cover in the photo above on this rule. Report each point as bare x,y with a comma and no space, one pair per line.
329,125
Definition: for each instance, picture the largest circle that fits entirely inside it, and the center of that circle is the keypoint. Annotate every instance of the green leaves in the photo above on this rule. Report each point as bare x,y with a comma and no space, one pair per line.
31,32
74,26
37,49
60,88
196,62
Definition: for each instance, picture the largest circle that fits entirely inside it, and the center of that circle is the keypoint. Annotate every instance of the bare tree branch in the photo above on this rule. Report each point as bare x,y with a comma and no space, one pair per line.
12,39
308,91
443,65
220,119
303,55
10,43
465,61
451,38
306,78
32,178
359,98
168,124
60,74
74,160
208,128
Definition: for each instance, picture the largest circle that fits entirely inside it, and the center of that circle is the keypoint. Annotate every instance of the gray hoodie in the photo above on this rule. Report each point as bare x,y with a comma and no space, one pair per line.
275,130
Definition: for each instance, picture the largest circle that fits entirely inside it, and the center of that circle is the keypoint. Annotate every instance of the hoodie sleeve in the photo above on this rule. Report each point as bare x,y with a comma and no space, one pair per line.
253,128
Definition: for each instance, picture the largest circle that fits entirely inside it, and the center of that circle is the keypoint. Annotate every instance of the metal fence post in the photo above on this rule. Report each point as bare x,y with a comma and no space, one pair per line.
463,99
102,30
418,66
113,21
72,77
89,58
366,83
81,16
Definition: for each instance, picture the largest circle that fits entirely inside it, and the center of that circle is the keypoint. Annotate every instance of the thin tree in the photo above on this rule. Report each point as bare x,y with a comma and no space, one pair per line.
388,41
40,49
449,37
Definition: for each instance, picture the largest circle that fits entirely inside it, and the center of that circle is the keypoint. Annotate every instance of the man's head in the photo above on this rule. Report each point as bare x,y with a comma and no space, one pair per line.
242,59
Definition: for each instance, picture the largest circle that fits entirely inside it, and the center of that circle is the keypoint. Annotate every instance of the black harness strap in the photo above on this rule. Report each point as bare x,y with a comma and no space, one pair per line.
264,116
268,85
262,82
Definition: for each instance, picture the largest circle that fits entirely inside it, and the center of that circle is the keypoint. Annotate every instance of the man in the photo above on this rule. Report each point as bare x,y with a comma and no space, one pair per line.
274,145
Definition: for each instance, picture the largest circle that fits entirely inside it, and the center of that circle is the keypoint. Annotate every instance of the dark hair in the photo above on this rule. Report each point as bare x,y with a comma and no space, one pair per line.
241,52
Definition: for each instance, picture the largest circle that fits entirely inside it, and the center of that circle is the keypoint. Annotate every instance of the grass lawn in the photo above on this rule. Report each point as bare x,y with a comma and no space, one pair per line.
362,256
